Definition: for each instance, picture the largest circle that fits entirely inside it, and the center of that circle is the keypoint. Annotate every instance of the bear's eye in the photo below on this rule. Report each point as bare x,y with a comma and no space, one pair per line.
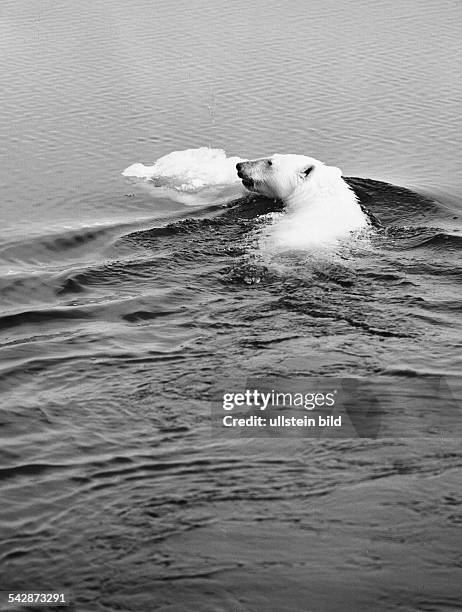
270,163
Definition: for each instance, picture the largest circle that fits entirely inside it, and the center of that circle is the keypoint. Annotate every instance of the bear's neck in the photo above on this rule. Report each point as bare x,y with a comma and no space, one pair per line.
322,196
326,208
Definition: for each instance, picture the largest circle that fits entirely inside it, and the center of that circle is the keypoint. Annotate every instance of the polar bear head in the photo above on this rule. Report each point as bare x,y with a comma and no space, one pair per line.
280,176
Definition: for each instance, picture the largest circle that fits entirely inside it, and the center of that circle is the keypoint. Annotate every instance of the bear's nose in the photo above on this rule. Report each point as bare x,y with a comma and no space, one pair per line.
240,170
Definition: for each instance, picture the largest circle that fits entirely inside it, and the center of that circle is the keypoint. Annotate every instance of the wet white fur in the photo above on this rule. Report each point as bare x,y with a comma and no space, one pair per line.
320,206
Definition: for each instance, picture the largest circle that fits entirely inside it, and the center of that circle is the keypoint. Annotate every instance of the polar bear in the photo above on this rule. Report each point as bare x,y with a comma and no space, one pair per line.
320,206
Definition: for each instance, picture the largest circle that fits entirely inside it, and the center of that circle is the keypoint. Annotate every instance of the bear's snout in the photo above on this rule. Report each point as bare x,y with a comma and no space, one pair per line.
244,169
239,168
244,174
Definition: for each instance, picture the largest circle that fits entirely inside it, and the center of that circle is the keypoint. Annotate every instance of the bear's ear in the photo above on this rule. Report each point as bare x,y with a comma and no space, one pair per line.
305,172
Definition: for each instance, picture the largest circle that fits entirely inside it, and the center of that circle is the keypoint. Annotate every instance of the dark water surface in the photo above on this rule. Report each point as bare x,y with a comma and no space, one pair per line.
122,314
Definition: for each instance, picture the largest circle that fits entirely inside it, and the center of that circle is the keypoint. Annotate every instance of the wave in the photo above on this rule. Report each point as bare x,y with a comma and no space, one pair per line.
395,203
41,316
418,237
69,244
441,241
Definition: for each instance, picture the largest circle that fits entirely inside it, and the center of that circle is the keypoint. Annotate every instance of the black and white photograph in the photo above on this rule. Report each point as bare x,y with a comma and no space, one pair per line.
230,306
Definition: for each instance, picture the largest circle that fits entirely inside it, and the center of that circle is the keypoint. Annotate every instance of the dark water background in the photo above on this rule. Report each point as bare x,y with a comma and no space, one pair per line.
115,333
